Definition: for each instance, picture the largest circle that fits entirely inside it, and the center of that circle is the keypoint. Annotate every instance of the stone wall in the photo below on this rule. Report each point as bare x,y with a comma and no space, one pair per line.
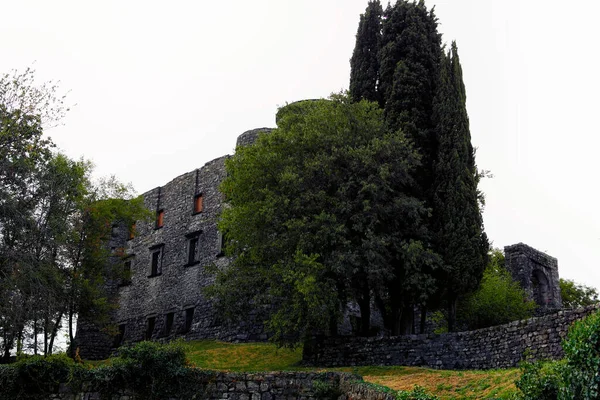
263,386
496,347
537,273
166,258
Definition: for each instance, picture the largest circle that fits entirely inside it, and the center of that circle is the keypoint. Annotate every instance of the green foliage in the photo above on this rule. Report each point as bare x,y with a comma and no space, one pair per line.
364,64
324,390
541,380
577,295
418,393
577,376
319,215
150,370
457,221
53,219
35,377
498,300
422,93
582,352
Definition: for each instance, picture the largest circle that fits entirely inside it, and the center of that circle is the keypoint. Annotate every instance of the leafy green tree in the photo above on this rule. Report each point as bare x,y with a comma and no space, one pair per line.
318,216
457,222
577,295
52,220
364,64
498,300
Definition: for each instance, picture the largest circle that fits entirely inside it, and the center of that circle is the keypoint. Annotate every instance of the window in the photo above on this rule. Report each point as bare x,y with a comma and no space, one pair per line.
131,231
119,337
160,215
126,278
198,203
156,253
114,231
150,327
193,240
193,251
169,323
189,317
221,245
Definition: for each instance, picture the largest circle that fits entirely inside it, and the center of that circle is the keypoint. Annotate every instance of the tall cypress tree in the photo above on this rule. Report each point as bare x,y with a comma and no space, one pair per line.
409,59
457,220
422,93
364,65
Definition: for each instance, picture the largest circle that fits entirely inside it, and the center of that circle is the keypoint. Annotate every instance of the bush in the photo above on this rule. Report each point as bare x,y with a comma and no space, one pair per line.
35,377
151,370
541,380
498,300
582,351
575,377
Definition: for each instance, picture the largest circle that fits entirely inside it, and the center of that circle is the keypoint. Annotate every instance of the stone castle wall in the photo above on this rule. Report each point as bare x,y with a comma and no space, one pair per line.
496,347
163,298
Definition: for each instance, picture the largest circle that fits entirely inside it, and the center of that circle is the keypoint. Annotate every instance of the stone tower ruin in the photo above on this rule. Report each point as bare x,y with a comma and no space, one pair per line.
537,273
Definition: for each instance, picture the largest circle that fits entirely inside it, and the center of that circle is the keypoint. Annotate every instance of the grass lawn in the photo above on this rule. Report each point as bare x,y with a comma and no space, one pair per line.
248,357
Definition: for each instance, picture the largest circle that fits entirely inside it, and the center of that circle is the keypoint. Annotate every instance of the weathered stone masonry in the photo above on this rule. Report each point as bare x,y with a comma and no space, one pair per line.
496,347
261,386
166,259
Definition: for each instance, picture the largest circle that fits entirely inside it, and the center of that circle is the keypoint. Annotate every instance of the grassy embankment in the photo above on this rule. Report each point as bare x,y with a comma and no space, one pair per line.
497,384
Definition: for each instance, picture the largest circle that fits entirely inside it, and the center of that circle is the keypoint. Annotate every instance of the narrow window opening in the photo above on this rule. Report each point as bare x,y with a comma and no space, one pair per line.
126,279
131,231
221,245
198,203
193,250
120,336
189,317
160,215
169,323
150,327
156,256
155,263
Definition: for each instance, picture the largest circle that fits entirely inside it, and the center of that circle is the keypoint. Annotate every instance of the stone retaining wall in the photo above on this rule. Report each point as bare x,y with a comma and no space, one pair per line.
496,347
263,386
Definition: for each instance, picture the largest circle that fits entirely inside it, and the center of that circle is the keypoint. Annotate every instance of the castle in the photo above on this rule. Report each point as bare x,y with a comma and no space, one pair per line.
161,296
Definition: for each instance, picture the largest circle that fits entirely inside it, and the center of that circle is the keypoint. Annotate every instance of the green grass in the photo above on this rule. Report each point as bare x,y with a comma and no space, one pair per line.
254,357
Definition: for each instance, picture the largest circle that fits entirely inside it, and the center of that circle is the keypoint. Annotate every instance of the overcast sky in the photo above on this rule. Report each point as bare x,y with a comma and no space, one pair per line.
163,87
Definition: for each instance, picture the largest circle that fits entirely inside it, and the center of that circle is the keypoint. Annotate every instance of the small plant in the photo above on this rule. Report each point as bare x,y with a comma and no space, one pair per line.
325,390
418,393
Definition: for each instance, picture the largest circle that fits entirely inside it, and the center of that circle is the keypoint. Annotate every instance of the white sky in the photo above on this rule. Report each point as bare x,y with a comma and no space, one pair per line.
163,87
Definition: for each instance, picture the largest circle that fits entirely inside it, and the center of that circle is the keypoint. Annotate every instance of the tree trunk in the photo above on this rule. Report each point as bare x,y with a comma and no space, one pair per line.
46,323
452,314
35,337
364,302
407,320
333,325
387,324
71,348
423,319
54,332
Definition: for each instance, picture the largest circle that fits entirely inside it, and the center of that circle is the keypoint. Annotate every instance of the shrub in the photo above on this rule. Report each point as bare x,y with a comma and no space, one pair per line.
151,370
582,351
36,376
541,380
498,300
575,377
